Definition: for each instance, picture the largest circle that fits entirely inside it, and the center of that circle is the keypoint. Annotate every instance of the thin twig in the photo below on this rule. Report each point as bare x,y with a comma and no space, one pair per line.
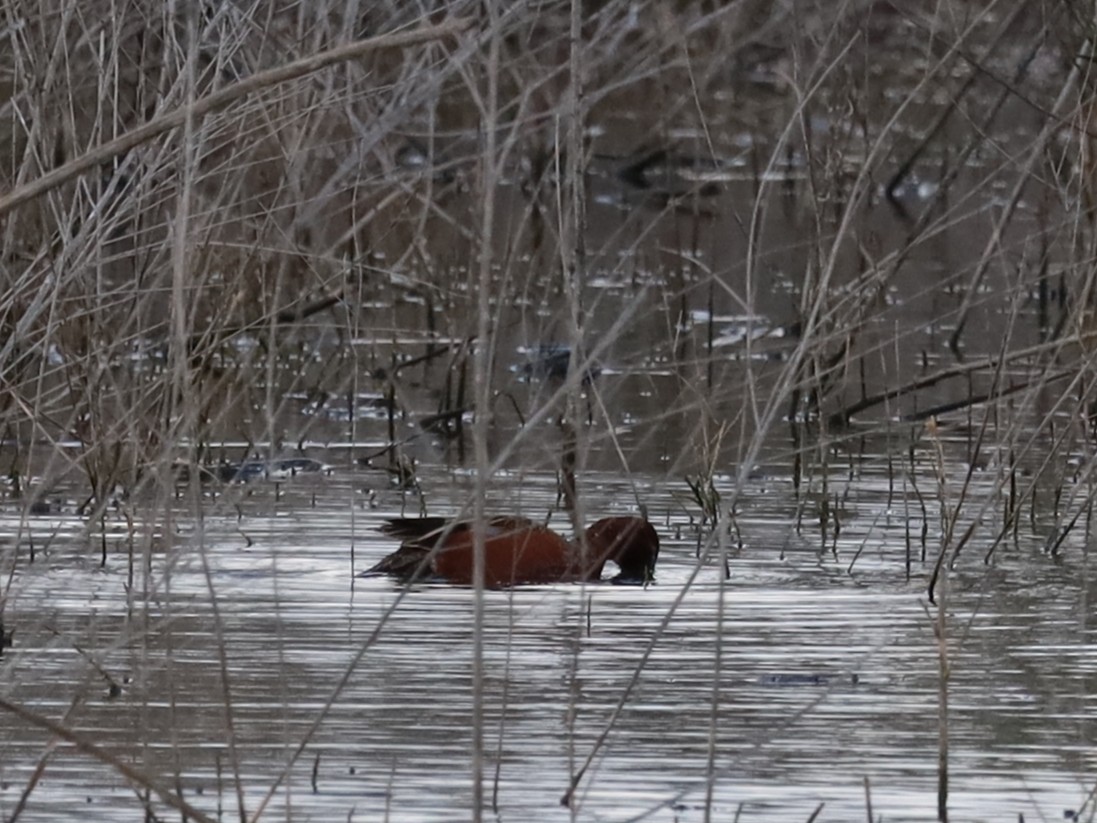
218,99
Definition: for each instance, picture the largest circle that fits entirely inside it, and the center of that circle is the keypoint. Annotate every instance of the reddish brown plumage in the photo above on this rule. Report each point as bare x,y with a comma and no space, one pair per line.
517,550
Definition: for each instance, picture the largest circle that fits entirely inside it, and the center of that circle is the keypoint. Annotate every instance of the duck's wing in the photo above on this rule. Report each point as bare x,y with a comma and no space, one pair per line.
436,547
498,526
425,531
408,563
411,528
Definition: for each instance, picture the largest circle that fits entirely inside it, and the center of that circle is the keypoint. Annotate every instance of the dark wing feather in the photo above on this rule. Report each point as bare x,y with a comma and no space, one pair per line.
420,536
407,563
412,528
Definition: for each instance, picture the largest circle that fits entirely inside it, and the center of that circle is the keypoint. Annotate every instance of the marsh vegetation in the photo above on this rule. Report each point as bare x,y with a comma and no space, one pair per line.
811,285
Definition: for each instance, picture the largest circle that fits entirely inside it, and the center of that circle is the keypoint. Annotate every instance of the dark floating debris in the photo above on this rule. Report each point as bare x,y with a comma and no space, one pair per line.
551,360
7,639
447,424
279,468
670,174
44,506
345,409
809,679
663,177
244,472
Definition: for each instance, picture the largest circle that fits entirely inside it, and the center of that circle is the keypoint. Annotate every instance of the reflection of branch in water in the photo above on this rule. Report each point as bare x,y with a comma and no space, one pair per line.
566,491
115,688
842,416
946,111
976,399
80,742
381,374
204,341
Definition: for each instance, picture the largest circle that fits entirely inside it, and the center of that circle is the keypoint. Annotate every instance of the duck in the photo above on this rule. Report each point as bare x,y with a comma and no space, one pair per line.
517,551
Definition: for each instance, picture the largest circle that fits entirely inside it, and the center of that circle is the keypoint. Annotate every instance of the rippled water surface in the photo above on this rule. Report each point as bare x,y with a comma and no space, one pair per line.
826,679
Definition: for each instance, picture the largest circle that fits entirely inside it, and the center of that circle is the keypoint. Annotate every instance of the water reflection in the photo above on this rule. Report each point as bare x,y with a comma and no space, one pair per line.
791,728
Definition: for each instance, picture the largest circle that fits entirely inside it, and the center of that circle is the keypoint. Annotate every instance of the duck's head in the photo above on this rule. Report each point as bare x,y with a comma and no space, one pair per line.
630,542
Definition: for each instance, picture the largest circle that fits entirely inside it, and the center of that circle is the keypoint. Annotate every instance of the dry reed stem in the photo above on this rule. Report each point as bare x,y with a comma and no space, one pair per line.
204,105
483,358
826,356
85,746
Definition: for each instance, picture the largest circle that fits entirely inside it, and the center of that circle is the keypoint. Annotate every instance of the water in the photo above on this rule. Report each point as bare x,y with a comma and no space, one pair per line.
365,689
225,650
